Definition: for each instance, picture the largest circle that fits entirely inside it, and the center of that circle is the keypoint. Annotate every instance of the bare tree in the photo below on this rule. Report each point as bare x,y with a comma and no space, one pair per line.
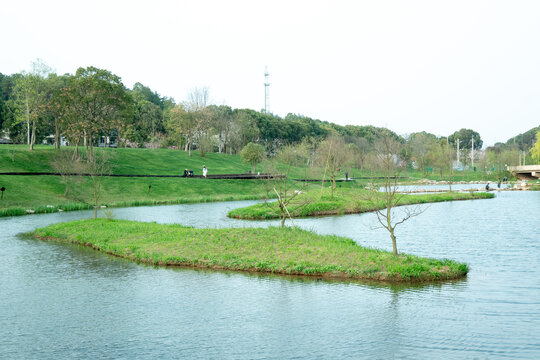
360,151
96,167
279,185
198,99
332,154
64,163
197,107
386,199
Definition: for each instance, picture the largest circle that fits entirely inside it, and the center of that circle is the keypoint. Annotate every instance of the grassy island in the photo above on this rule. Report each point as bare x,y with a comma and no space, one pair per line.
344,201
270,250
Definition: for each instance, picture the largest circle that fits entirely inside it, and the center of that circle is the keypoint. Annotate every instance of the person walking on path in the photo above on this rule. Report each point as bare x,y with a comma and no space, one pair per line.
204,171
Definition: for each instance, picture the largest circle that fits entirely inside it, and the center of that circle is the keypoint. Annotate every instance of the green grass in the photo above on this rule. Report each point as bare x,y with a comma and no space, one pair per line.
45,193
273,250
344,201
17,158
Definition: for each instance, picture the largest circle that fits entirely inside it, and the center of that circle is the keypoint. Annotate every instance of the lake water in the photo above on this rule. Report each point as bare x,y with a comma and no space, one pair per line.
65,301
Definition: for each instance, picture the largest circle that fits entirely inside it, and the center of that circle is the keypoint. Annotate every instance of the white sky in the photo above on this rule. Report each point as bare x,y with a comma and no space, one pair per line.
410,66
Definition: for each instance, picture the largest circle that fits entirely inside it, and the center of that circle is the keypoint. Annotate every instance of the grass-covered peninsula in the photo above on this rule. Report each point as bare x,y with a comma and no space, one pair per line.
344,201
270,250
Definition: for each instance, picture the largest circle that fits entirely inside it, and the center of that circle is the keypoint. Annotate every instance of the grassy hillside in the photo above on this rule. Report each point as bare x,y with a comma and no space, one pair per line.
45,193
125,161
38,192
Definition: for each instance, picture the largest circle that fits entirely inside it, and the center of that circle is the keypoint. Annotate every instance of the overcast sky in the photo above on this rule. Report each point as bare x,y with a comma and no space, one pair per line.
410,66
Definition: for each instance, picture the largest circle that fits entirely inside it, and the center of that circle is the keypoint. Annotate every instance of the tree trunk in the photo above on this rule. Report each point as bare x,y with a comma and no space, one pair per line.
76,153
333,183
96,198
91,147
56,134
27,122
394,243
33,137
66,180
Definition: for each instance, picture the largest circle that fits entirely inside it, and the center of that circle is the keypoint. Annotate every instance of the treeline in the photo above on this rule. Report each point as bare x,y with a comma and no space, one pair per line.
94,108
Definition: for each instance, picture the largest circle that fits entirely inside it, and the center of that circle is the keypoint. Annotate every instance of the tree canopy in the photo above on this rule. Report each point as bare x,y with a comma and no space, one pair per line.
465,137
93,104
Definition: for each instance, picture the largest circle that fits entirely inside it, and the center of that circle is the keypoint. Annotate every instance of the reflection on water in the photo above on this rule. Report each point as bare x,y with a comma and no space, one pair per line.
65,301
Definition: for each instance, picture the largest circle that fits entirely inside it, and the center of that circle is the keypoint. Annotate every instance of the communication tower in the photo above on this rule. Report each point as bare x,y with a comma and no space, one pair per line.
266,91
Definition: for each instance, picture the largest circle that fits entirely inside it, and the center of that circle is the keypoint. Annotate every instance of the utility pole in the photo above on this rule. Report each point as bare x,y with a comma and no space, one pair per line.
266,91
458,152
472,152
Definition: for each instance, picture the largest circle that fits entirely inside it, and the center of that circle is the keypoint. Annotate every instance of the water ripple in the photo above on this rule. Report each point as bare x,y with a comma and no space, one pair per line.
61,301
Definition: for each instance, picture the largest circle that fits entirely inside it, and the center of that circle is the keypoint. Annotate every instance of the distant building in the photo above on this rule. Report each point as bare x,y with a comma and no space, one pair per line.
105,141
4,137
50,139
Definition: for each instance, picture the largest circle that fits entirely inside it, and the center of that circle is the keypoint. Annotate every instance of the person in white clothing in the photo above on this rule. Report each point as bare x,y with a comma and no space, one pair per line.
204,171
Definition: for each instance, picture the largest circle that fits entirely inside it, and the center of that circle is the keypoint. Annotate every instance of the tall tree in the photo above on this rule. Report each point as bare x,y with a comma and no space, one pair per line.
244,129
29,102
221,120
181,124
465,137
197,105
6,89
99,101
442,156
148,117
421,144
56,107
